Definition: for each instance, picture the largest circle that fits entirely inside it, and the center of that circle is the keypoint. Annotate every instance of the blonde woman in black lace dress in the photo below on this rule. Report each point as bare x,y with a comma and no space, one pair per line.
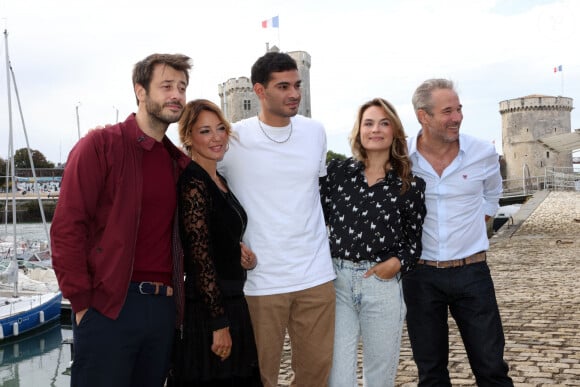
216,346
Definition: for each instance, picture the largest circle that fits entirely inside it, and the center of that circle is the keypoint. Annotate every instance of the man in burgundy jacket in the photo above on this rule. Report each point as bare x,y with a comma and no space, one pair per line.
116,253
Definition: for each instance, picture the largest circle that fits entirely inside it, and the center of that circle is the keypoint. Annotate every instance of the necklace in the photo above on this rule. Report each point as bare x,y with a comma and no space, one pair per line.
270,138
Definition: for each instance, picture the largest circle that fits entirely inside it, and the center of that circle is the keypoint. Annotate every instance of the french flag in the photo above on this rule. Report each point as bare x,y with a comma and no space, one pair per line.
558,68
272,22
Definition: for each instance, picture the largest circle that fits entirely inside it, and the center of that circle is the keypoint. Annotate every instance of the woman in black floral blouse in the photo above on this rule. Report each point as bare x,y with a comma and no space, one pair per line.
217,346
374,208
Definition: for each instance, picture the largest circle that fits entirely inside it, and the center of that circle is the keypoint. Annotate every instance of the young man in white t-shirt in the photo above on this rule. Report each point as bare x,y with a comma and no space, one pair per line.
273,166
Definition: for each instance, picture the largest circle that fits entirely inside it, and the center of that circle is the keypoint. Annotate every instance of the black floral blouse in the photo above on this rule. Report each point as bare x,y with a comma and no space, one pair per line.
211,224
372,223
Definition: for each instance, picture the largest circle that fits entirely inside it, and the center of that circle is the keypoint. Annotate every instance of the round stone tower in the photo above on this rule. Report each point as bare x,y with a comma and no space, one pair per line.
526,120
241,102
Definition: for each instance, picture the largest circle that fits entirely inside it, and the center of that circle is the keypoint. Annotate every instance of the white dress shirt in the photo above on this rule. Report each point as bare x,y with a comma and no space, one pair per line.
458,200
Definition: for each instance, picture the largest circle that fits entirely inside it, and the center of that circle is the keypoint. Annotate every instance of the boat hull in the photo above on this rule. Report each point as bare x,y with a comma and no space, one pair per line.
27,313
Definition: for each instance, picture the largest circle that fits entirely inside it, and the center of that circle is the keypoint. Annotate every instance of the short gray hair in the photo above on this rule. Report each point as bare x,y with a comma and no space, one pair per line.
422,96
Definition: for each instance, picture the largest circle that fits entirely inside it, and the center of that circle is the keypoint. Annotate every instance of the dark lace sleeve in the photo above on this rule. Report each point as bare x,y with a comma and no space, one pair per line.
326,187
195,207
413,214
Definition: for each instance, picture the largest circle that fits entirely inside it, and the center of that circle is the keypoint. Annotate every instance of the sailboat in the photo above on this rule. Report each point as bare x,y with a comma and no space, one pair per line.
22,312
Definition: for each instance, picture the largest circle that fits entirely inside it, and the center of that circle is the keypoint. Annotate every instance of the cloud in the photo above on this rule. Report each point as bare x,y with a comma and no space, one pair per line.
66,51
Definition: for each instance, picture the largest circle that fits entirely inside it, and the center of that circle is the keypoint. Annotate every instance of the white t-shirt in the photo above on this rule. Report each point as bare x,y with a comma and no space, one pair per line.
277,183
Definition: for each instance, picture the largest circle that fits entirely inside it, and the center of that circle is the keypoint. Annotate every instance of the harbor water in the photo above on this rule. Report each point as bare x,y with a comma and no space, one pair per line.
41,358
37,359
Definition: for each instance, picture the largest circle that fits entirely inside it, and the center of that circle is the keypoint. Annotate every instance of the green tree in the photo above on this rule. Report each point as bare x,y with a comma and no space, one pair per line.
333,155
21,159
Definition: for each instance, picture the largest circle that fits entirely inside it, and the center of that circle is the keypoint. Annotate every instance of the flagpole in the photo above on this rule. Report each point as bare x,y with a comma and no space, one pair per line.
269,24
279,43
560,69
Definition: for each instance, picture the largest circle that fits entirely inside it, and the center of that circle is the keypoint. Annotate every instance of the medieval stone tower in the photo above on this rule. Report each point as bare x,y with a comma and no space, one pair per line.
238,100
526,120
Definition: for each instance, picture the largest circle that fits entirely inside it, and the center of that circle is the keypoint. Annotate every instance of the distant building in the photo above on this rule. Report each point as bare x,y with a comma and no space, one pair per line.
238,100
525,122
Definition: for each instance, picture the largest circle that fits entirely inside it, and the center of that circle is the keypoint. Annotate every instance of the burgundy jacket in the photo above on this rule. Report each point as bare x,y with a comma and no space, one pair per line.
95,224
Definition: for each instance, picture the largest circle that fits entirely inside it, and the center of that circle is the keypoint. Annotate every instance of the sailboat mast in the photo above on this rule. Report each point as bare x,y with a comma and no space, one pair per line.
6,196
11,155
30,159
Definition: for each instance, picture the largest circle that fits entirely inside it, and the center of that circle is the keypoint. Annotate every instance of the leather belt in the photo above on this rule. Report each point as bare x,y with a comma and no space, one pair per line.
151,288
477,257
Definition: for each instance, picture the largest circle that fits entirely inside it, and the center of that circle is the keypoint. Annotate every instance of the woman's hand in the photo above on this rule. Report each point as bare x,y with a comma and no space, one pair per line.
222,343
248,259
385,270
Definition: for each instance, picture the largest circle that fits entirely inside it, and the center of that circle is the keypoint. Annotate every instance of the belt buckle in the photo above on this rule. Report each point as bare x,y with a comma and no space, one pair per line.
141,287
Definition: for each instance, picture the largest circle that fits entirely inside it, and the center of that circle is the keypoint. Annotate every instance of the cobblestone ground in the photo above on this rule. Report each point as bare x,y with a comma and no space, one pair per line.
536,273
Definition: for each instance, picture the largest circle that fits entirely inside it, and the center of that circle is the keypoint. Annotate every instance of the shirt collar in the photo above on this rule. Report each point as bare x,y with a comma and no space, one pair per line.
355,167
412,144
136,134
147,143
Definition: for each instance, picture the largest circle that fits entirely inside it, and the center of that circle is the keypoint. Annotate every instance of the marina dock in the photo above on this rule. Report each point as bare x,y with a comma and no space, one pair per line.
535,264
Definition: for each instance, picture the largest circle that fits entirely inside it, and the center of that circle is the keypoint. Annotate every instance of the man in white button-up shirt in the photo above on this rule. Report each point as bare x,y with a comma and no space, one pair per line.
463,190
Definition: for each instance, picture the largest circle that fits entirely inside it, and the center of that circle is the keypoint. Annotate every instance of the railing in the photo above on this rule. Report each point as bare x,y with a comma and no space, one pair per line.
562,179
555,178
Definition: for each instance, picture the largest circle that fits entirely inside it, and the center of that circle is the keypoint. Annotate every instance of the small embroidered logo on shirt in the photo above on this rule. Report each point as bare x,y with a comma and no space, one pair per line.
464,177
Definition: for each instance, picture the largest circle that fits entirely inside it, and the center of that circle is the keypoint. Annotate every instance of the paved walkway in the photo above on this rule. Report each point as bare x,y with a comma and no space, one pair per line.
534,260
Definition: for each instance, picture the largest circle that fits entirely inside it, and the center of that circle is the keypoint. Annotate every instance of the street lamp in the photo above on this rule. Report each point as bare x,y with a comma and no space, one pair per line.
78,121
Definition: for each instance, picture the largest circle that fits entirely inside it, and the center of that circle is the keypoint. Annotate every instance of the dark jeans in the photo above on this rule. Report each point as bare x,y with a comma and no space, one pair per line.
133,350
469,295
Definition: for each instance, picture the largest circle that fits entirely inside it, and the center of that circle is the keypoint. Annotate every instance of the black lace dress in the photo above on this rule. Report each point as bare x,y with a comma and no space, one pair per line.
211,226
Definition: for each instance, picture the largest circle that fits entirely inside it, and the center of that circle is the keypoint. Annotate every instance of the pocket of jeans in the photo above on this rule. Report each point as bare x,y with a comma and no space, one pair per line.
393,278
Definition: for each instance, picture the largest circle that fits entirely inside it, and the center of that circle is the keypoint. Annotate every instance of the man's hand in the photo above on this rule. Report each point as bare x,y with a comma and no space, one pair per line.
79,316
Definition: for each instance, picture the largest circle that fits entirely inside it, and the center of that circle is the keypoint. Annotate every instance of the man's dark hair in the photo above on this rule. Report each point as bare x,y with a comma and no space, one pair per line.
272,62
143,70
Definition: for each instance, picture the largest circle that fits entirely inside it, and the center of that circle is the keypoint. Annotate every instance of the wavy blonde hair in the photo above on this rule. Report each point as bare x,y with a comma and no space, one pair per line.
398,154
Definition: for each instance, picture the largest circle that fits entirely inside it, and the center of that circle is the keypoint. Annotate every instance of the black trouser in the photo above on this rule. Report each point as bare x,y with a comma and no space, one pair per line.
133,350
468,293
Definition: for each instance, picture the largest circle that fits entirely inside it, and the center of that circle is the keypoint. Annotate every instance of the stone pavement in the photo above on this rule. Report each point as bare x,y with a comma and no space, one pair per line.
534,260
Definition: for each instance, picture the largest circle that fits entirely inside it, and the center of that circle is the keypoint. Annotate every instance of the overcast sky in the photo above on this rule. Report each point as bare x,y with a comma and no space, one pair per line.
81,53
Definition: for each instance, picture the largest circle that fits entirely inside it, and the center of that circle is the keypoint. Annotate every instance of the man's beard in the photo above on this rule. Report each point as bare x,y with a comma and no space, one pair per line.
156,112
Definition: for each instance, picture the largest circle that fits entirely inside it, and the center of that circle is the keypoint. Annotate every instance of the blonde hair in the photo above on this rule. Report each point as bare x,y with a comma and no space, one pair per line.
190,116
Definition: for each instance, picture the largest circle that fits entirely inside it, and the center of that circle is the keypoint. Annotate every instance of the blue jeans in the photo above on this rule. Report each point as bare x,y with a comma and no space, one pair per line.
469,295
133,350
373,310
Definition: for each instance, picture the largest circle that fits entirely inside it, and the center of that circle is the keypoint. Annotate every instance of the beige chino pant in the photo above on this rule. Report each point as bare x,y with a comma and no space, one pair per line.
308,315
